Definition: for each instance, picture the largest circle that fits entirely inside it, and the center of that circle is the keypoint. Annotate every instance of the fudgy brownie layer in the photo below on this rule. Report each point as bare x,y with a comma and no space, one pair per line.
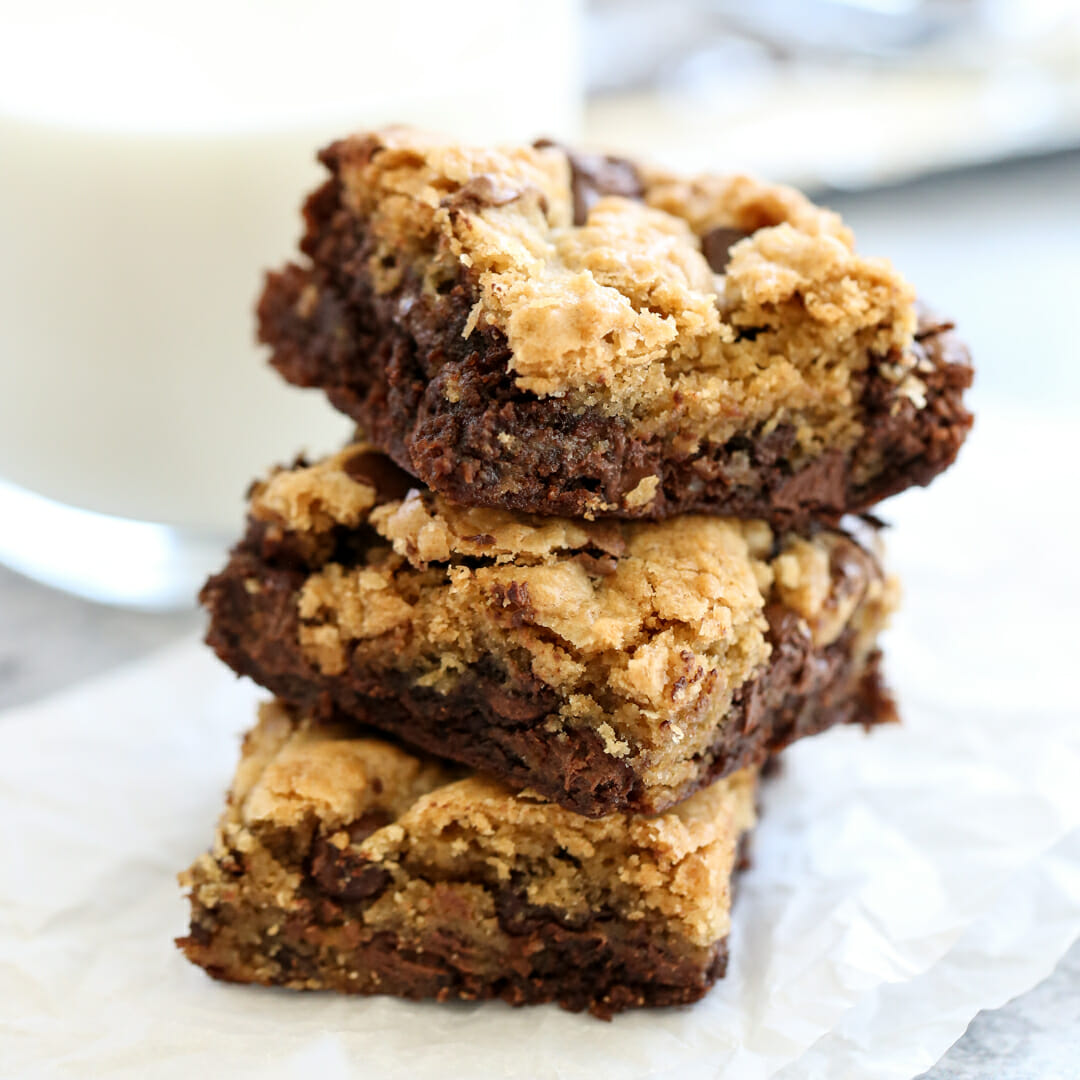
492,720
596,964
439,395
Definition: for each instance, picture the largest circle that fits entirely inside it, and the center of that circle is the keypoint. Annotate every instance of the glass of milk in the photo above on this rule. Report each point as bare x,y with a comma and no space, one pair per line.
153,160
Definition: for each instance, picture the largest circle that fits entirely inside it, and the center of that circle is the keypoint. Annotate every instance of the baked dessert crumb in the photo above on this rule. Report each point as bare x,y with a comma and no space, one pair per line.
536,330
608,665
344,862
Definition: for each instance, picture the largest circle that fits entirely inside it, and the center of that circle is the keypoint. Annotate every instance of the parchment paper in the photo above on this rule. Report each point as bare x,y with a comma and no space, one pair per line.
901,881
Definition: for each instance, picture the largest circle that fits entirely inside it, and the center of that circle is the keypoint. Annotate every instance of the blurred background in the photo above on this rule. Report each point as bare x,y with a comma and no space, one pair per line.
154,159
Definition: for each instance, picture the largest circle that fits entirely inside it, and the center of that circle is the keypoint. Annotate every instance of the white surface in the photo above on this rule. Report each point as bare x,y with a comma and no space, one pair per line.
901,882
892,1033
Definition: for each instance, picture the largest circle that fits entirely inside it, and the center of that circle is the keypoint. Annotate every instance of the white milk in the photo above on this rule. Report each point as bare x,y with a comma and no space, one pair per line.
152,163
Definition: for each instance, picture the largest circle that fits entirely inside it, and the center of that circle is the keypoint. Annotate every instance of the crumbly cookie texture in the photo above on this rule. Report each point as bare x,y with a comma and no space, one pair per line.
666,314
344,862
623,311
607,664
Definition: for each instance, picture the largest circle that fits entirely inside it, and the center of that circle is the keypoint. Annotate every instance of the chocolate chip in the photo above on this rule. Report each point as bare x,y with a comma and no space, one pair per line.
851,570
294,964
517,916
592,176
482,190
200,934
514,599
607,536
381,473
716,246
749,333
597,565
368,822
743,857
366,883
343,874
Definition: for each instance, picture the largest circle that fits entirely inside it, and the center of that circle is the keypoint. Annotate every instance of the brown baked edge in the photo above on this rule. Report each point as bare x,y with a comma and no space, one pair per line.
387,361
493,719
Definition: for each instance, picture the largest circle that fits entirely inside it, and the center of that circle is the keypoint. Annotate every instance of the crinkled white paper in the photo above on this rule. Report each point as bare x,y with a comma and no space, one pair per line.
901,881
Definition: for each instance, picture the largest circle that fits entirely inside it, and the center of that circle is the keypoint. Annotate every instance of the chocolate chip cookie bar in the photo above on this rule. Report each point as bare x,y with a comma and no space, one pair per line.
344,862
539,331
608,666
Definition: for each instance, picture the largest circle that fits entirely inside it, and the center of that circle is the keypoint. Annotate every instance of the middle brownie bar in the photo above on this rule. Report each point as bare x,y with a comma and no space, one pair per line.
609,666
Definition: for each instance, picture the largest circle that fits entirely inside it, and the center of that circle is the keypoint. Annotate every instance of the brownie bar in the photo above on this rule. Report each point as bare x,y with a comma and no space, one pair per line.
554,334
609,666
343,862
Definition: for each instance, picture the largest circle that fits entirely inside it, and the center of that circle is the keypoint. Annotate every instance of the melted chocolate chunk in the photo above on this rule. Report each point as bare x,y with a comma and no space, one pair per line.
592,176
389,481
517,916
716,246
597,565
341,872
516,602
483,190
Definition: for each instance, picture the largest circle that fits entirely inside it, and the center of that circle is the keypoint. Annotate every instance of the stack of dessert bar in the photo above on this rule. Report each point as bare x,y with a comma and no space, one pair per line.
532,636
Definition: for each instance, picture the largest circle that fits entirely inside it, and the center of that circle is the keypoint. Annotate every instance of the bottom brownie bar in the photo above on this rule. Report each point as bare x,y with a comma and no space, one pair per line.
610,666
348,863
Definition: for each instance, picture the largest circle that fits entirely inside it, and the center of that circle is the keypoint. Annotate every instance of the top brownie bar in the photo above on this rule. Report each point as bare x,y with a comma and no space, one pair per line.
554,333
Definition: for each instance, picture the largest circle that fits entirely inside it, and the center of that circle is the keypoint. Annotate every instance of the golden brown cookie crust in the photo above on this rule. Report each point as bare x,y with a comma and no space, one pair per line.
623,312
